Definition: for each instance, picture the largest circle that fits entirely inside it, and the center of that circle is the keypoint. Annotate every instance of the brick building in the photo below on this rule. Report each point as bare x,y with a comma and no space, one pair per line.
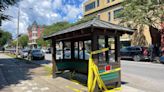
34,32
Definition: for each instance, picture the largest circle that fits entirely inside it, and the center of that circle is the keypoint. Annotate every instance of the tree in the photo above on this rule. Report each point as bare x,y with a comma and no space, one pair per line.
23,40
138,13
63,25
41,42
4,4
13,43
5,38
55,27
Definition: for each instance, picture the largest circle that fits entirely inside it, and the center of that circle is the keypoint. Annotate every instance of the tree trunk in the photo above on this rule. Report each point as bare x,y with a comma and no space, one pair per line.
156,38
162,38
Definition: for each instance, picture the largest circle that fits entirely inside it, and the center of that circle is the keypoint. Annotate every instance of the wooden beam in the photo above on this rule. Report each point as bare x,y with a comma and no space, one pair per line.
63,43
117,56
73,37
117,49
78,46
72,50
83,50
95,46
106,46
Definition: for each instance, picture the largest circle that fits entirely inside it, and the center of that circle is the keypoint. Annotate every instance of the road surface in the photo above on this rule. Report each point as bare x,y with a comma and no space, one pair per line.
143,75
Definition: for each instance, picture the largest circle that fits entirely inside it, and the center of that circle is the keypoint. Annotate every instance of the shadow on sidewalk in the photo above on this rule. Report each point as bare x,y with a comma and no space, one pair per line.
14,71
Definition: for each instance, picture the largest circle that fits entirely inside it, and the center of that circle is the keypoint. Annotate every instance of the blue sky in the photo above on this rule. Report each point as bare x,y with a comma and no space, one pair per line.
44,12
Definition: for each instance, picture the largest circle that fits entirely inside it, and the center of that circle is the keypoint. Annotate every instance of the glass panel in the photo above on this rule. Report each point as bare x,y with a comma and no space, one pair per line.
87,49
111,43
81,50
59,52
67,50
90,6
117,13
109,17
111,55
76,50
98,3
101,42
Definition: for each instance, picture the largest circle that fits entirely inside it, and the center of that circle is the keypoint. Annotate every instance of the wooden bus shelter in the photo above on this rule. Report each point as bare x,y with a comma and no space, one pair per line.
97,34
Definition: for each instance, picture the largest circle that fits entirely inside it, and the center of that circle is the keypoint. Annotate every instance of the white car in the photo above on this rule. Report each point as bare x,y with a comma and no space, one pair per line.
45,50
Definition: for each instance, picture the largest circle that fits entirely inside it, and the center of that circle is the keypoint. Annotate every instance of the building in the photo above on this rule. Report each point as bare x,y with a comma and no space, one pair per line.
34,32
108,10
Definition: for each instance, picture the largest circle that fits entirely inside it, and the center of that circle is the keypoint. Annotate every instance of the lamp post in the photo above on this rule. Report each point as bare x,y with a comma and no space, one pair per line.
17,46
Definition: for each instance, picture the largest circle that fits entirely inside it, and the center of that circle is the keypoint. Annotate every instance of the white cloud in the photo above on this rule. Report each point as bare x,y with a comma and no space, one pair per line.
43,11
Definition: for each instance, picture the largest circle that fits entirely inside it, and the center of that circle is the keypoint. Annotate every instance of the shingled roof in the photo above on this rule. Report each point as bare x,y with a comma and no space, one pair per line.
92,23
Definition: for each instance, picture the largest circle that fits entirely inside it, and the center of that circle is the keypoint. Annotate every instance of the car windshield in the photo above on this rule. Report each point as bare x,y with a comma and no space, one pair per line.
25,50
36,51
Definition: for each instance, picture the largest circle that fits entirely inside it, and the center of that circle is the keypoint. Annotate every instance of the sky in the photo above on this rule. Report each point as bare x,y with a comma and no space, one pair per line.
44,12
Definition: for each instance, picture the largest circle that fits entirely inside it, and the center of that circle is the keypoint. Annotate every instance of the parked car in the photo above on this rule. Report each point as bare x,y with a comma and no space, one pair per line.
161,59
45,50
67,53
136,53
24,53
59,54
36,54
49,50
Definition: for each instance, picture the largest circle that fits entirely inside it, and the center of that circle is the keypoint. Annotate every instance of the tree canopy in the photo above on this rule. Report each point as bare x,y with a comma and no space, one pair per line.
139,14
48,30
5,37
4,4
23,40
63,25
143,12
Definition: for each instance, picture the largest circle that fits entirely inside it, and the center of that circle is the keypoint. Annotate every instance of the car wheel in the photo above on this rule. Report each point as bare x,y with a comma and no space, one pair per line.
30,58
136,58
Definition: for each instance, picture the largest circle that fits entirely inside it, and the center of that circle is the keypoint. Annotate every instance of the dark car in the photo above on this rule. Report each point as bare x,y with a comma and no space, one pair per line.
36,54
136,53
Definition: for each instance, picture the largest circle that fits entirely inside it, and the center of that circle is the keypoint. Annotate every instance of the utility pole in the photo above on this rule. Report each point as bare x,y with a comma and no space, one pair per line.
17,46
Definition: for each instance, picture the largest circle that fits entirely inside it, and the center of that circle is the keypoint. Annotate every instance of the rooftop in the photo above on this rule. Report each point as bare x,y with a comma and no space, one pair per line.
96,23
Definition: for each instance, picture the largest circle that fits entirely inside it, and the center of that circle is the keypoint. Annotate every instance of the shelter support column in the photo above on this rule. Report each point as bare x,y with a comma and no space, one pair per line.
117,49
63,51
95,46
54,67
72,50
117,57
106,46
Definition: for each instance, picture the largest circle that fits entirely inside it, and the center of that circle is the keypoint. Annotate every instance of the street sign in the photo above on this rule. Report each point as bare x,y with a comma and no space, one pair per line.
108,68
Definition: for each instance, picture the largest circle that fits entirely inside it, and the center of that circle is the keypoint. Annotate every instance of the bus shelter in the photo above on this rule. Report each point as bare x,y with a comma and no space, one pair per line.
72,47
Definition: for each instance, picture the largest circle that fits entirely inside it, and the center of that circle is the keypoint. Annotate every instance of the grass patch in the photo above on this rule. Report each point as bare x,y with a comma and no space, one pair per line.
18,58
49,69
11,55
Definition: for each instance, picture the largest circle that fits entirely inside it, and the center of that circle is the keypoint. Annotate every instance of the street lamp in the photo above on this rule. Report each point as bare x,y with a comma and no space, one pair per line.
17,46
18,35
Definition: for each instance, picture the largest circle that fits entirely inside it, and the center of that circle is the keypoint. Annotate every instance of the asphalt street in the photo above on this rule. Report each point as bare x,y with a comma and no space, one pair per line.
146,76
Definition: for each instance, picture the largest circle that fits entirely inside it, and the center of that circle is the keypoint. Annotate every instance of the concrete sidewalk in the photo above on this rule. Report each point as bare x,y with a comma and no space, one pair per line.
22,77
129,89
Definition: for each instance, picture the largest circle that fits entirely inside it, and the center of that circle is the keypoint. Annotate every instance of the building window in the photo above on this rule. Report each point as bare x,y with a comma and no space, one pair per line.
90,6
109,17
98,3
117,13
108,1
